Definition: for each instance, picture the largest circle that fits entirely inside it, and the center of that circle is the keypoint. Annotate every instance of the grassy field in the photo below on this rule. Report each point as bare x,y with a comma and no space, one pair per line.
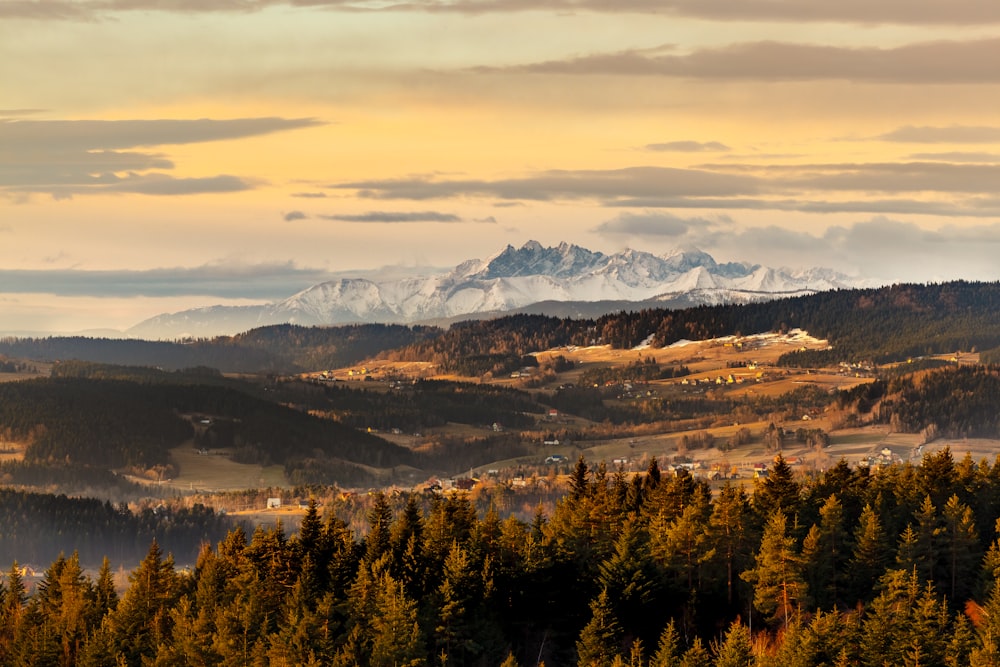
215,472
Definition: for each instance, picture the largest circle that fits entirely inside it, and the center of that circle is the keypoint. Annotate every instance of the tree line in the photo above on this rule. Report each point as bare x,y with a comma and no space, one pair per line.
846,567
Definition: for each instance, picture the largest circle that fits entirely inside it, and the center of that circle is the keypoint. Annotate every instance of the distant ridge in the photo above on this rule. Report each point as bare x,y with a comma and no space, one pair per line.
532,278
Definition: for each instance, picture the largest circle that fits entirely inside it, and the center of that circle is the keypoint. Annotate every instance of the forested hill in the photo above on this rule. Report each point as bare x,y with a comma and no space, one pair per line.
284,348
883,324
130,418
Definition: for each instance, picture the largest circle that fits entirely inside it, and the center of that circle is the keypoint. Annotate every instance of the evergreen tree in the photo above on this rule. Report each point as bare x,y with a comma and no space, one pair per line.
731,533
408,548
696,655
579,479
142,619
869,556
629,579
779,587
778,492
455,632
14,598
961,548
668,648
105,597
600,640
397,640
735,649
378,540
926,544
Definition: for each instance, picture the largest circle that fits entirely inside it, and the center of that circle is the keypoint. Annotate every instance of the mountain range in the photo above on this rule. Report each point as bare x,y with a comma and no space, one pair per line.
563,280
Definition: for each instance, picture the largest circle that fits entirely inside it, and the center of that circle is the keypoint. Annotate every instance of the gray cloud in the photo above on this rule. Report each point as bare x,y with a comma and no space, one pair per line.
688,146
48,10
652,224
70,157
396,217
976,207
957,157
160,184
566,184
955,134
901,177
309,195
144,184
89,135
946,62
250,281
295,215
910,188
955,12
880,248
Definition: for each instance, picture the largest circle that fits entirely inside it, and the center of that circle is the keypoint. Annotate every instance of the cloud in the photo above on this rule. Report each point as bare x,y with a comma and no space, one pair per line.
295,215
916,12
687,146
224,280
309,195
957,157
954,134
889,177
70,157
88,135
976,207
155,184
9,113
881,248
940,62
896,177
395,217
161,184
917,188
567,184
652,224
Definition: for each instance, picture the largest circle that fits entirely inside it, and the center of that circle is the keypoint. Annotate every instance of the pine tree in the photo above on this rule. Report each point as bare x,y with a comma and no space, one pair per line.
735,649
686,545
779,587
454,634
142,619
600,639
377,542
629,578
926,545
961,547
667,648
869,556
778,492
731,533
396,637
696,655
105,595
579,479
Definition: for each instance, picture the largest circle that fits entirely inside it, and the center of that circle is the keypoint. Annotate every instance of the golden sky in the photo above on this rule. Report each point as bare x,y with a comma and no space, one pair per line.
156,156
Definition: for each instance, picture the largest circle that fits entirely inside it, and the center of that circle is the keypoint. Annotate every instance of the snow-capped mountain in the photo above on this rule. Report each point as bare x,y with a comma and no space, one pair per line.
513,279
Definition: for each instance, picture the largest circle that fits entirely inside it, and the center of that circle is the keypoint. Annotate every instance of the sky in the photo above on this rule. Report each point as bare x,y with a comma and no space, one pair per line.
158,156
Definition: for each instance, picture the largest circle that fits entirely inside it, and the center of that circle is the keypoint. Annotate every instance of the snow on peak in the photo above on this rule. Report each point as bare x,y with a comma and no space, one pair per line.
517,277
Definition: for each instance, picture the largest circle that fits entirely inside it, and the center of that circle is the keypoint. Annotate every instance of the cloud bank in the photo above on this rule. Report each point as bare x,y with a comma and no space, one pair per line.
74,157
223,280
903,12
